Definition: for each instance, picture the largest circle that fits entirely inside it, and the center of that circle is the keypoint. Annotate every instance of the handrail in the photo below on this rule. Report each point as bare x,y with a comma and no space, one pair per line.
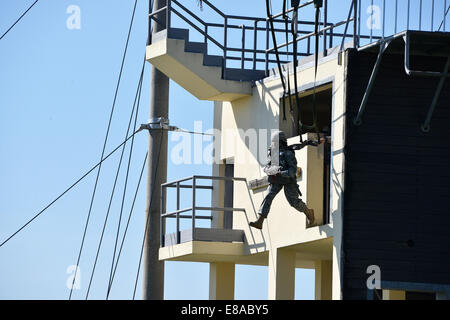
198,29
202,27
178,212
312,33
213,7
190,12
256,25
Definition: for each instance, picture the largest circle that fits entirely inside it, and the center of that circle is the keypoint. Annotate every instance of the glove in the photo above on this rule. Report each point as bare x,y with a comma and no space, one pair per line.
272,170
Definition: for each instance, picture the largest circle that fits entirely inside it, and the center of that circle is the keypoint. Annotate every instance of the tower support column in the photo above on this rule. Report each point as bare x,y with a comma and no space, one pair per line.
153,269
281,274
323,279
221,281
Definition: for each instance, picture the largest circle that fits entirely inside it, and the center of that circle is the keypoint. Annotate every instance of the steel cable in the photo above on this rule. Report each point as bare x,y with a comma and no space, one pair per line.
20,18
104,144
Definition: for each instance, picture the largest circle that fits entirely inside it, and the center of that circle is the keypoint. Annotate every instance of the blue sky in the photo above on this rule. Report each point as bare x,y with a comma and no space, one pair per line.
56,91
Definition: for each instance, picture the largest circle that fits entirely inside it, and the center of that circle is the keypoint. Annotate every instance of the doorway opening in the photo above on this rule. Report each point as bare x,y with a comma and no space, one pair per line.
305,112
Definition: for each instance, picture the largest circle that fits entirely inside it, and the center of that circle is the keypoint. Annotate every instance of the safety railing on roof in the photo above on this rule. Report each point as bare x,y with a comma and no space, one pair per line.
383,18
179,213
387,18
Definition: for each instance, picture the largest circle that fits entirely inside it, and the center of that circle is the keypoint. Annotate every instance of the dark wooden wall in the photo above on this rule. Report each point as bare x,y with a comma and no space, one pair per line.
397,179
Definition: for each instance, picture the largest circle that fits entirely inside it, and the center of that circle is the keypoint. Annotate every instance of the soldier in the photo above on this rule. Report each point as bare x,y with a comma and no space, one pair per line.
282,171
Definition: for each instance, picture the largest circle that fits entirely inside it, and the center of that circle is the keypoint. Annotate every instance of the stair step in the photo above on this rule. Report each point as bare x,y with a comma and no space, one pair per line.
244,74
212,61
195,47
179,33
235,74
174,33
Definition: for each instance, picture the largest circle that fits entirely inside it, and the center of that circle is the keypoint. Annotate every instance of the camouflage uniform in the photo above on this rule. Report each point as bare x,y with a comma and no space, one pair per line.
287,176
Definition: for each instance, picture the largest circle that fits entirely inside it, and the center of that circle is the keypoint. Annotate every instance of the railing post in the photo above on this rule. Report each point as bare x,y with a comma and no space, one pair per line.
407,15
308,45
420,15
330,36
396,18
150,10
267,48
206,37
359,22
255,40
194,182
163,219
355,24
371,21
178,214
225,35
432,15
168,11
445,10
243,47
384,17
325,16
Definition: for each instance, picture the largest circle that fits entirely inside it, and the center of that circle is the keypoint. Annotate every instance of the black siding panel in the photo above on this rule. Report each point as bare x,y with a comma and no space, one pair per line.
397,178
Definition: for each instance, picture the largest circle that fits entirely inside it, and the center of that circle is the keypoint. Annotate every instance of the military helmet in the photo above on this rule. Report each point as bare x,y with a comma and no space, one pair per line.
278,136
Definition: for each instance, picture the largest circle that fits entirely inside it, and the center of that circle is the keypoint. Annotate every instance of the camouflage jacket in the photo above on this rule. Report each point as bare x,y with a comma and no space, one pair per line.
286,170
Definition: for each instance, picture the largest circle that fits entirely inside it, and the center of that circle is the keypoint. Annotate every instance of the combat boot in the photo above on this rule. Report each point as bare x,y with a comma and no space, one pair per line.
258,224
310,215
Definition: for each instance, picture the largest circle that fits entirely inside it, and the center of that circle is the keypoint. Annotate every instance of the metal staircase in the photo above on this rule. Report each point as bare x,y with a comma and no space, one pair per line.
235,74
204,75
210,77
229,75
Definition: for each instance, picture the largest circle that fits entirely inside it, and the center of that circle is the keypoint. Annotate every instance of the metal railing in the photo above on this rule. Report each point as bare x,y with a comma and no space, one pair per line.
391,15
177,214
394,16
256,25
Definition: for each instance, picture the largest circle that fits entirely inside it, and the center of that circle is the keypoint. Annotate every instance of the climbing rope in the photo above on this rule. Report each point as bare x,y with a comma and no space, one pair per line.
317,5
286,24
274,40
294,31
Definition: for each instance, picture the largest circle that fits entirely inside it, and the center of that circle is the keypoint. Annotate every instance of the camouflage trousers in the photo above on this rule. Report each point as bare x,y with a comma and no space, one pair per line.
292,196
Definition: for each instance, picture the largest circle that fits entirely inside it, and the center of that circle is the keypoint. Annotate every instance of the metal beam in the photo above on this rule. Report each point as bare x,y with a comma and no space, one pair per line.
383,46
426,125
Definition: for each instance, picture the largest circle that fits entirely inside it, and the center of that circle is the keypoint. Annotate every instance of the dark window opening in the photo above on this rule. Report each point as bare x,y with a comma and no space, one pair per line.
306,110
